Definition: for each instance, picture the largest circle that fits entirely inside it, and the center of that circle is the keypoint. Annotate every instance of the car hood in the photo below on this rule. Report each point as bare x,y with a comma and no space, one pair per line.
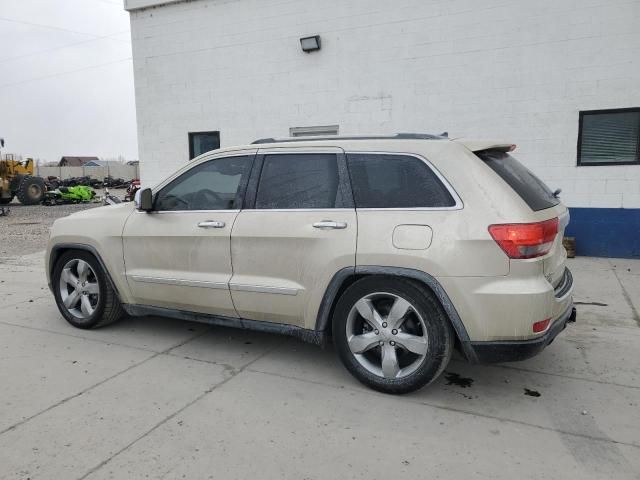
106,211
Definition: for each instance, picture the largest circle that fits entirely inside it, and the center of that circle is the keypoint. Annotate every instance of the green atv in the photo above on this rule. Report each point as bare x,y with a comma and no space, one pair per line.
65,195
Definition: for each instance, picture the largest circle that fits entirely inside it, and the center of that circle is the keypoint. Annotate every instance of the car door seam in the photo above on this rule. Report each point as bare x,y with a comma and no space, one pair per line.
233,224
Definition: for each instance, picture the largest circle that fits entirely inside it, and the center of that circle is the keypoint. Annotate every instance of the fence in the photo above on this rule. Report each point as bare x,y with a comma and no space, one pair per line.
126,172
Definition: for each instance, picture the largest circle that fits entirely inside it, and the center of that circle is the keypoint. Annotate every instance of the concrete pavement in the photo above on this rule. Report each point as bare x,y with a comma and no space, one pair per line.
159,398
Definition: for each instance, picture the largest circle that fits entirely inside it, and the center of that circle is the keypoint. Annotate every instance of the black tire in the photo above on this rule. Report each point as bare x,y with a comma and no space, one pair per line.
6,201
108,309
31,190
439,333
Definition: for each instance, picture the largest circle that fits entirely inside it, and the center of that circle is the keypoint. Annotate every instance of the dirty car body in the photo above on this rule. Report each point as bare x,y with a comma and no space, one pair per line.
399,248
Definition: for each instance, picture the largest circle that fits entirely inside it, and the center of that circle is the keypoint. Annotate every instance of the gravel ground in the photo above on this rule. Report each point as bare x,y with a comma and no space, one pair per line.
25,229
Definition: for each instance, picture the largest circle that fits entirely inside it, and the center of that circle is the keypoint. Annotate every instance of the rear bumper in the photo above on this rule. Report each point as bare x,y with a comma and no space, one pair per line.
513,351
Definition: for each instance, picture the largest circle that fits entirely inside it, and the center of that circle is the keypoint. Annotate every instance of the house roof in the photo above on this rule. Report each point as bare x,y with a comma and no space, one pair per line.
76,161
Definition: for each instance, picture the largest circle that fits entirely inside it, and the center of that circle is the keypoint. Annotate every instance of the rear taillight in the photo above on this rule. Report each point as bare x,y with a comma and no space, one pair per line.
525,240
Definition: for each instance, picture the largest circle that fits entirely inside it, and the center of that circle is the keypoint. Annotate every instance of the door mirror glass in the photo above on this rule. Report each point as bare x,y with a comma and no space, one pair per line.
144,200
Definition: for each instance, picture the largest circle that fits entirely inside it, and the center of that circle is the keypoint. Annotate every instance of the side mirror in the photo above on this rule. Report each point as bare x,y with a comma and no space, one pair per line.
144,200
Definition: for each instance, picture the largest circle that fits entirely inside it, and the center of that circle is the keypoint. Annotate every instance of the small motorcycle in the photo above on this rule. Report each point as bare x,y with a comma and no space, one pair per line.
67,195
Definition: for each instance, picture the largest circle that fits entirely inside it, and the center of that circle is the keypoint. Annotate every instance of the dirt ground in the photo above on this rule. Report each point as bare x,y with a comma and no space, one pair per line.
25,229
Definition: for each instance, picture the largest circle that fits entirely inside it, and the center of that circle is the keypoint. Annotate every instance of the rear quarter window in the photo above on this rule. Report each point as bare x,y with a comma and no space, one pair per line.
395,181
529,187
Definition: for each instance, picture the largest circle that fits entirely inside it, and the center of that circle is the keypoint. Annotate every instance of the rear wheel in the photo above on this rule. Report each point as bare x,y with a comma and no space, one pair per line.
82,291
31,190
392,334
6,201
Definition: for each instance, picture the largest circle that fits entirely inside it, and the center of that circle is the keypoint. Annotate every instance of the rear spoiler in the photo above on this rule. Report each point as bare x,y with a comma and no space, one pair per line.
480,145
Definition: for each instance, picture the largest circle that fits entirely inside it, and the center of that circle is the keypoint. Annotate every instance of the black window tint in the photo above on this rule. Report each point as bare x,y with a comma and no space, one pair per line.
213,185
530,188
298,181
395,181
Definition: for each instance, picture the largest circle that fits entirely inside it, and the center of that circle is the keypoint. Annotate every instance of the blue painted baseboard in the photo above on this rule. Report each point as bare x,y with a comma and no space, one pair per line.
606,232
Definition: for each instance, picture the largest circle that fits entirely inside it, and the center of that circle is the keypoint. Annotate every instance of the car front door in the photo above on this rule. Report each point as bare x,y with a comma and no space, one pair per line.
178,256
299,230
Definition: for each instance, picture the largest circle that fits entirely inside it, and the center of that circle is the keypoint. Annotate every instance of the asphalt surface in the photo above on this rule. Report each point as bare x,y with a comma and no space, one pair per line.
159,398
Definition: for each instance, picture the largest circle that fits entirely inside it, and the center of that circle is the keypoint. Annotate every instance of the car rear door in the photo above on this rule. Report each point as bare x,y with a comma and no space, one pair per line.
178,256
299,230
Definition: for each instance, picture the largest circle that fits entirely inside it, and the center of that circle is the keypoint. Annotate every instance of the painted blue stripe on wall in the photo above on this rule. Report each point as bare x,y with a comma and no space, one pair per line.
606,232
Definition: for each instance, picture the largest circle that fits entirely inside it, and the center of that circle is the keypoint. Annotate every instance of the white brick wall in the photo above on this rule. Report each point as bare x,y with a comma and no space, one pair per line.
518,71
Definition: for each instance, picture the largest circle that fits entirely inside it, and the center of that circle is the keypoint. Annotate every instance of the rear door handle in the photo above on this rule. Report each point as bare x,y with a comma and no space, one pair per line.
330,224
211,224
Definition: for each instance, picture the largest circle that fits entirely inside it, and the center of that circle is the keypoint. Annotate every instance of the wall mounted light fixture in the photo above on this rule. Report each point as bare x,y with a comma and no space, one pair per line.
310,44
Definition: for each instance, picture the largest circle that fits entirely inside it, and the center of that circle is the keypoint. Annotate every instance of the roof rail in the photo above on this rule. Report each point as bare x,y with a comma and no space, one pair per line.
397,136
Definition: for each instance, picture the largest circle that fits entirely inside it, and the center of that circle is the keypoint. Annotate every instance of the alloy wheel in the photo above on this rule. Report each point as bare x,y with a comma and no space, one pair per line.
79,288
387,335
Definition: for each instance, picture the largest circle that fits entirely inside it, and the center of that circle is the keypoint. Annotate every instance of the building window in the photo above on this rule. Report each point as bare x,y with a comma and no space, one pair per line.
202,142
609,137
317,131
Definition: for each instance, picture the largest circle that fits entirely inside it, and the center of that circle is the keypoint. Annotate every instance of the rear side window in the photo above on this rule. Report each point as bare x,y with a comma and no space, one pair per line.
395,181
298,181
530,188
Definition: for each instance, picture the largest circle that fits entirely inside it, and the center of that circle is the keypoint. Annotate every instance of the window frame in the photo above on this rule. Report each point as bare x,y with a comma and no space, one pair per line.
191,135
240,194
582,114
344,182
458,205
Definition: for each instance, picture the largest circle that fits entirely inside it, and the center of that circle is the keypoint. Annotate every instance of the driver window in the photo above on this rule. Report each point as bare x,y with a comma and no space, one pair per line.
212,185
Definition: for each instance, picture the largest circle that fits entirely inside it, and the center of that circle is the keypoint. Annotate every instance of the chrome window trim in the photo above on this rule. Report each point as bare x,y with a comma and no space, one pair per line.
328,210
164,212
238,287
257,210
459,204
334,149
179,282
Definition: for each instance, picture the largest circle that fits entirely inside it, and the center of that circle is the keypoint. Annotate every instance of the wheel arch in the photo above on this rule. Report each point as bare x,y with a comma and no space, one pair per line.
347,276
60,249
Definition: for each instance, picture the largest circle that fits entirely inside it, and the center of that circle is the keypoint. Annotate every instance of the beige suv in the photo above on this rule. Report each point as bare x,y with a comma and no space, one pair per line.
398,248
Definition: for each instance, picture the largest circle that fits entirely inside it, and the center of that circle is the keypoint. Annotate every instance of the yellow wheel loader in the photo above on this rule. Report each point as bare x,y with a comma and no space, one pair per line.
17,180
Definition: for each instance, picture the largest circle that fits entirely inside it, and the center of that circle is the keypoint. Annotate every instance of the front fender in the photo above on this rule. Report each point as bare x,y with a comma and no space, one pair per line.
98,231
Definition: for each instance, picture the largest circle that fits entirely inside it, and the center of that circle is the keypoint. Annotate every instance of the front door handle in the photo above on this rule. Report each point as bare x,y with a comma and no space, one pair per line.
211,224
330,224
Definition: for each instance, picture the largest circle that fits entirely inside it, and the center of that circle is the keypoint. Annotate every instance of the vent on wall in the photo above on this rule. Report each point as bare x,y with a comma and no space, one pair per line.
316,131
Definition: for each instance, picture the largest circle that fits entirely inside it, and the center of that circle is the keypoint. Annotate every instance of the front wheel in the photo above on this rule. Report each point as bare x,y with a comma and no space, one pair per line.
82,291
392,334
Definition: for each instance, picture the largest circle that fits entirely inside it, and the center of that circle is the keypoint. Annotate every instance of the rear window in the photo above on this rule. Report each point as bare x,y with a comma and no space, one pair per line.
530,188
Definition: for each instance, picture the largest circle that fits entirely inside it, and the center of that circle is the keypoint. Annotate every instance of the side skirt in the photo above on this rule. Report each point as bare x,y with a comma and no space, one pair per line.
306,335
